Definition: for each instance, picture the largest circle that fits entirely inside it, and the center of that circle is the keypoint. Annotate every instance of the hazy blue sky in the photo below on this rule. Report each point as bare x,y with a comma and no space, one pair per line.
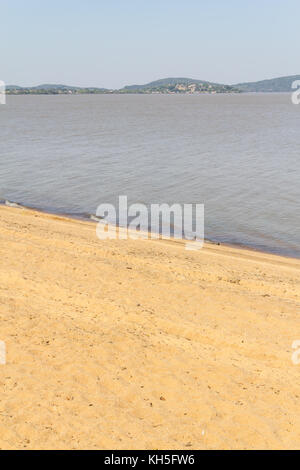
117,42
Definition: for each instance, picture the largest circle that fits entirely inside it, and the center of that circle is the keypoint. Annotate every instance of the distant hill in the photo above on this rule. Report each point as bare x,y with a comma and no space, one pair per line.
282,84
50,86
166,82
13,87
179,85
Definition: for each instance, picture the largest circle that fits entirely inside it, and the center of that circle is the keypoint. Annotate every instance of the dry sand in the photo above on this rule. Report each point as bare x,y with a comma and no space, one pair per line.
142,344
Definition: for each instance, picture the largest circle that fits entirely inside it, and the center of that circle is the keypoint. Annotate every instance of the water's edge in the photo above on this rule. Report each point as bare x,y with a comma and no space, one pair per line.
85,217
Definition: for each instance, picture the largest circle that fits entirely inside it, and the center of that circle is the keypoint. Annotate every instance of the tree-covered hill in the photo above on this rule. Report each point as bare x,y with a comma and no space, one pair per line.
179,85
282,84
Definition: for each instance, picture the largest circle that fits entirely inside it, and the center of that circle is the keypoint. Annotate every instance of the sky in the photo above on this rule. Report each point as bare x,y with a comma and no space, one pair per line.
113,43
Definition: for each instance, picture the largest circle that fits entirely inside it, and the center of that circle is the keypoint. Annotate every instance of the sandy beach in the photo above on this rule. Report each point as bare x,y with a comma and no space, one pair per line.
142,344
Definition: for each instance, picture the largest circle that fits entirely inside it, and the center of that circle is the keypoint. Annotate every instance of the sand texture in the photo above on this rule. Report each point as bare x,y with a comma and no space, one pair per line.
142,344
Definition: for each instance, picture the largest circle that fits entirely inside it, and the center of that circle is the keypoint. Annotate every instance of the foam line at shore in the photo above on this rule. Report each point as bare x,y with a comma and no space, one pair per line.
86,217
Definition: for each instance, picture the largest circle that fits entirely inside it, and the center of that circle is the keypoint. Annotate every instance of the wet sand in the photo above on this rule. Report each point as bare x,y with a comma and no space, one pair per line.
142,344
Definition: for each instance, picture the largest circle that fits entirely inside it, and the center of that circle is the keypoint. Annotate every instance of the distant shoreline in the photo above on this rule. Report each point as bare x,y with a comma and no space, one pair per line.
150,94
172,85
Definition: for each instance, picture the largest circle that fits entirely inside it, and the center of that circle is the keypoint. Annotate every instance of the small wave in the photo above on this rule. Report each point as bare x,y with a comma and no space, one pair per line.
13,204
95,218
